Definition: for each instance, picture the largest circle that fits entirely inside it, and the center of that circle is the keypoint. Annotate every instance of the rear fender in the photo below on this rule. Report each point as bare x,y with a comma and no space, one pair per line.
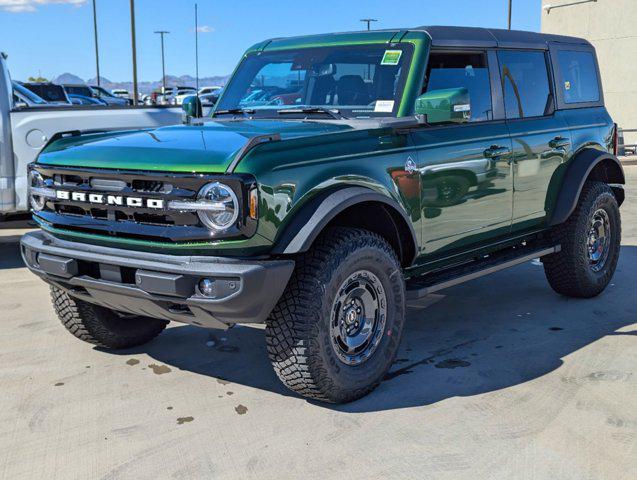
587,164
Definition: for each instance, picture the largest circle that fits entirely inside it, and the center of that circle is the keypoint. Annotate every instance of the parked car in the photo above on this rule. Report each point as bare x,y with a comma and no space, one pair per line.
209,99
178,95
23,97
106,96
27,125
83,100
121,93
468,150
208,90
52,93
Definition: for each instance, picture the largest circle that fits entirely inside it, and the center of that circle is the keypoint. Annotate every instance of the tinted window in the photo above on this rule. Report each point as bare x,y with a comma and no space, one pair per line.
78,90
49,92
462,70
578,76
526,83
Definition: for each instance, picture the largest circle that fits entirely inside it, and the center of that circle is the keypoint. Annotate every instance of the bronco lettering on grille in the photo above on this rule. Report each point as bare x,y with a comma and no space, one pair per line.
113,200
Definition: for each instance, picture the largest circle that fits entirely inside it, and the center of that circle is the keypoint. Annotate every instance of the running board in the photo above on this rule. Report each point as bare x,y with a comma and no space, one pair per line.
423,286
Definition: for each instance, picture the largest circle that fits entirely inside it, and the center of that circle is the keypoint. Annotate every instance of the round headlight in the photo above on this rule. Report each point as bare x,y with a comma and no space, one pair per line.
219,207
36,181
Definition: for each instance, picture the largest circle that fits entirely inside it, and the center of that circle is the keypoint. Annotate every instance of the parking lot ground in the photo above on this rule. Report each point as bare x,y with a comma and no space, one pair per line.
496,379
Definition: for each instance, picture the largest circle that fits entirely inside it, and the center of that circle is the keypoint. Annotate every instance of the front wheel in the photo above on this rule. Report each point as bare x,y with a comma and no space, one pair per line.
336,330
101,326
590,241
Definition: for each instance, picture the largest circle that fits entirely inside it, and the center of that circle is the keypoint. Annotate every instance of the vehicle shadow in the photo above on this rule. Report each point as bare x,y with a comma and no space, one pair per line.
10,255
490,334
11,231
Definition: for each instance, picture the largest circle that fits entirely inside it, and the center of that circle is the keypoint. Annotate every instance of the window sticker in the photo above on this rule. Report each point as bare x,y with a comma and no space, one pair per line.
386,106
462,108
567,85
391,57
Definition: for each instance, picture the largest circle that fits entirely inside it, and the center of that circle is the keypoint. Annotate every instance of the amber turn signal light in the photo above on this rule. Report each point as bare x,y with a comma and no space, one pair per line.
254,203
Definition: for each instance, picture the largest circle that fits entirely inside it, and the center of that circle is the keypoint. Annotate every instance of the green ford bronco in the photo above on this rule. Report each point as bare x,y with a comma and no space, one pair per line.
338,177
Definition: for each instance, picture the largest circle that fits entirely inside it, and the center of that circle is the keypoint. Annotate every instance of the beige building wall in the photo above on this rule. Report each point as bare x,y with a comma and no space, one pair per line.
611,26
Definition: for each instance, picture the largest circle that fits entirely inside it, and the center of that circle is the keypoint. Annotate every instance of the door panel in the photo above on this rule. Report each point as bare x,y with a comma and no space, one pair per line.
540,146
541,138
467,185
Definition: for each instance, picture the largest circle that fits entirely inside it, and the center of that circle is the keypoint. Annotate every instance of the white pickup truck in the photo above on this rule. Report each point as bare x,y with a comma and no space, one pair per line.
25,130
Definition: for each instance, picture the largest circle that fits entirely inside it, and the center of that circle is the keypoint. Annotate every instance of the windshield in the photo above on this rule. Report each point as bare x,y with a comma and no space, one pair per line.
28,94
356,81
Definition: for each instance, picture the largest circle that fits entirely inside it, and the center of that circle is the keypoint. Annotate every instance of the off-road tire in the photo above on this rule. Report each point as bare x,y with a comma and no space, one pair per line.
298,330
101,326
569,272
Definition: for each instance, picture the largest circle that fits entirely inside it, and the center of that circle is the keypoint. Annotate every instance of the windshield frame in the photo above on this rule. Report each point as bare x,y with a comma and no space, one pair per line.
408,56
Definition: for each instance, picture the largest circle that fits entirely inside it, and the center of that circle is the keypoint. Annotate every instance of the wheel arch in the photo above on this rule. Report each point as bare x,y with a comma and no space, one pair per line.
589,164
351,206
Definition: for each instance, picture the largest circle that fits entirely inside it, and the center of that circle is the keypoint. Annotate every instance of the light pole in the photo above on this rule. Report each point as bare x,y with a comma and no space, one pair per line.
163,65
134,45
97,53
368,21
510,9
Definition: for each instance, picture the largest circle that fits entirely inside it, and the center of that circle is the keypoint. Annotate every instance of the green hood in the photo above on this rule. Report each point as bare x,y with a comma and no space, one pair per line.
208,148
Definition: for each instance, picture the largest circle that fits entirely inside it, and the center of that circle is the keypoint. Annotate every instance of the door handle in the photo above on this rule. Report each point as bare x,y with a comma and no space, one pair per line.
559,142
497,151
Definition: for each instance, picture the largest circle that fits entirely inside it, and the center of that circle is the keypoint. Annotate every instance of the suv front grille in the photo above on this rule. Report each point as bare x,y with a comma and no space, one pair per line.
163,224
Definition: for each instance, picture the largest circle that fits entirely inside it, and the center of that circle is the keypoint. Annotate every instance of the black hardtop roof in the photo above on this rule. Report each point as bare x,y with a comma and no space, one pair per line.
443,36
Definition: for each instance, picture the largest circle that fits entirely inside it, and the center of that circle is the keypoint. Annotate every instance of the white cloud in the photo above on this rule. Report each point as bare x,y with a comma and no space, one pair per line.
201,29
18,6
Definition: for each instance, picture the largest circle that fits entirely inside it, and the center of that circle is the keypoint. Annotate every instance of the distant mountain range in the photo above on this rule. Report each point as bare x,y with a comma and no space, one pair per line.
144,87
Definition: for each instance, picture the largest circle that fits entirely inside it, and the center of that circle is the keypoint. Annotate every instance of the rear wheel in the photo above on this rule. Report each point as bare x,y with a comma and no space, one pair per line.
336,330
101,326
590,240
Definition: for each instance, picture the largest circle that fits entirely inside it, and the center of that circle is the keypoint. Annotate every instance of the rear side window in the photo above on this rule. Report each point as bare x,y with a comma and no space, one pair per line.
525,82
578,74
448,71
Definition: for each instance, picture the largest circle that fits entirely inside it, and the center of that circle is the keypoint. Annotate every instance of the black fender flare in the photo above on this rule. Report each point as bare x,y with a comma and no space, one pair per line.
314,216
577,172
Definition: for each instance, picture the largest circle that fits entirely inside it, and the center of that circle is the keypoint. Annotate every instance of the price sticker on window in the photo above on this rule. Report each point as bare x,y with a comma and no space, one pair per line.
386,106
391,57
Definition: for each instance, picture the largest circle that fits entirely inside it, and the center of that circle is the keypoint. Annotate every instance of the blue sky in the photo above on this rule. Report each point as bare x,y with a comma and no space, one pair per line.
56,36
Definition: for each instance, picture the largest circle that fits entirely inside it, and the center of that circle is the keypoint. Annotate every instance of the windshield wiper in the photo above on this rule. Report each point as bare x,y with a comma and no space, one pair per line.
234,111
331,112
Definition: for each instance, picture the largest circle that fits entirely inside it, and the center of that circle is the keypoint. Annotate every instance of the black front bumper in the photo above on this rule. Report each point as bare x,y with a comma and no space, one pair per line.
157,285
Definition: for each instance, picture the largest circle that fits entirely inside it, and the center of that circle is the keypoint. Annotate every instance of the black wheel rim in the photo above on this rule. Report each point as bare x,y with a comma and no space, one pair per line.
599,240
358,317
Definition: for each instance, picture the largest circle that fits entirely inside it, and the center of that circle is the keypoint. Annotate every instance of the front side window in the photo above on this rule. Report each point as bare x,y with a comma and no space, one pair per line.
456,72
357,81
525,82
578,74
